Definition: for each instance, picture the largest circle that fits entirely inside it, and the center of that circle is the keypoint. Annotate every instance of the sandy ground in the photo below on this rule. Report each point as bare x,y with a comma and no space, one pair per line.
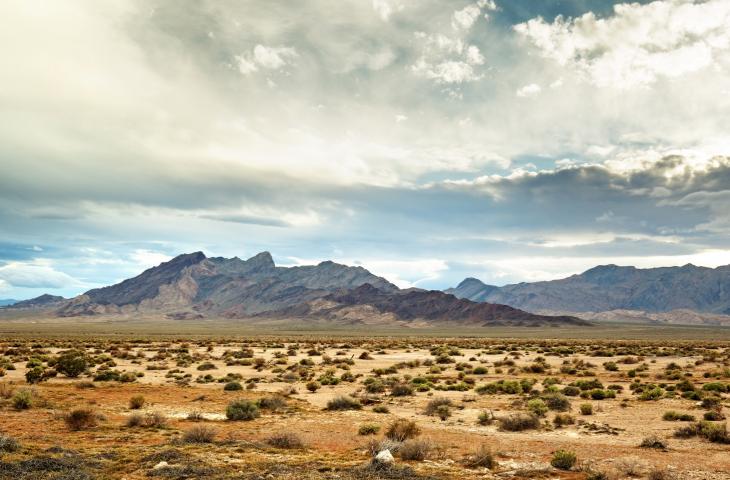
332,437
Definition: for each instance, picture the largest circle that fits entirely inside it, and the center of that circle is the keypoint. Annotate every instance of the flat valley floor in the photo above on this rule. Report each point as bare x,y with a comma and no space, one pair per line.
321,405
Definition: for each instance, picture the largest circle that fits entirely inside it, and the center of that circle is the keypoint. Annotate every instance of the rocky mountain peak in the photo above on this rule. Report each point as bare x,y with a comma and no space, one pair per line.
470,281
261,262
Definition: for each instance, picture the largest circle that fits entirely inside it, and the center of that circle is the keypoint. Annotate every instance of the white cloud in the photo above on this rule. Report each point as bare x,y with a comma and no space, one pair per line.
38,273
529,90
638,44
465,18
447,60
246,66
541,268
148,258
385,8
447,72
404,273
474,56
271,58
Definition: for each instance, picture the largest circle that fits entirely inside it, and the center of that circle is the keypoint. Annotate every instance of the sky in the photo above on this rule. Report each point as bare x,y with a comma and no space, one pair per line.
428,141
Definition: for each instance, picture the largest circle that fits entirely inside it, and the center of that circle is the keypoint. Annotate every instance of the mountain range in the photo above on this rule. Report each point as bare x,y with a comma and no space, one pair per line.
687,293
193,286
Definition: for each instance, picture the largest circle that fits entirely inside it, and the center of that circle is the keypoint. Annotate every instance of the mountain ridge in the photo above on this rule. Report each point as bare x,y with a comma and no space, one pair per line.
192,286
613,287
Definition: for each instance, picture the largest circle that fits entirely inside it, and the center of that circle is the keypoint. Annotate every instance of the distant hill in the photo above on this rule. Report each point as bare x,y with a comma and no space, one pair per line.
7,301
44,301
192,286
610,287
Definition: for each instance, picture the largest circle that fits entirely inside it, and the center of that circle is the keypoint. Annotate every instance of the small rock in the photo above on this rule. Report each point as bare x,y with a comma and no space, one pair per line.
384,456
160,465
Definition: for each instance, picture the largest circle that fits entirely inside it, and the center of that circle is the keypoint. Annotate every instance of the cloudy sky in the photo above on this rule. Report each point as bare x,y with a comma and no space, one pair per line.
511,140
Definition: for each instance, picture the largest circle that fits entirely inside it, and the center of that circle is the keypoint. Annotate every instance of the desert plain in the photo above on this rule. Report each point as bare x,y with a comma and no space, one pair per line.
318,405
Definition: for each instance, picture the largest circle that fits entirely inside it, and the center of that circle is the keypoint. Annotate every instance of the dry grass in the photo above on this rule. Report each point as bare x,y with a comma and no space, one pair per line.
401,430
285,440
81,419
200,434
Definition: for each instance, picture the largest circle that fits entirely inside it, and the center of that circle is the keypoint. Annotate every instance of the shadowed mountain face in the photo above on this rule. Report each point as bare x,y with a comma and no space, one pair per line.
436,308
194,286
611,287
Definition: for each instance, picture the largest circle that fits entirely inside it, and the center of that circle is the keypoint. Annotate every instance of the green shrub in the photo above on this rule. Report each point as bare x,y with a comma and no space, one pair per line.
381,409
71,363
107,375
313,386
563,460
714,432
653,442
519,422
128,377
35,375
672,416
22,399
716,387
562,419
653,394
557,402
8,444
368,429
401,390
433,405
273,403
485,418
713,416
242,410
611,366
344,403
586,409
232,387
511,387
537,407
206,366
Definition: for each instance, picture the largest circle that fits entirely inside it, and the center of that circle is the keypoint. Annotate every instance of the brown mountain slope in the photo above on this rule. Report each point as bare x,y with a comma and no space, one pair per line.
194,286
421,307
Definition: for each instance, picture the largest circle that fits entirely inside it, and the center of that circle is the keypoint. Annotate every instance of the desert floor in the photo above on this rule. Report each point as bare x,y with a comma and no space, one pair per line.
181,430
